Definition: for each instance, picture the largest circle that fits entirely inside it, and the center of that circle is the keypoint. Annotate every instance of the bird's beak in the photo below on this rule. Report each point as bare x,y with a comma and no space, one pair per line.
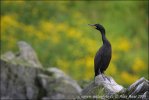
93,25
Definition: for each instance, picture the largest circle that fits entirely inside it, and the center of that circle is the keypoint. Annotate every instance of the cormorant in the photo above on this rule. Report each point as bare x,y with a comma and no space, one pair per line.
103,55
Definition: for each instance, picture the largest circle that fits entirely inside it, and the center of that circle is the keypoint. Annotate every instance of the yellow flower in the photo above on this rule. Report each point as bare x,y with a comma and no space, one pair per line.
41,36
63,64
7,21
89,66
89,62
115,56
128,78
138,65
47,26
30,30
55,39
124,44
112,69
62,27
91,45
73,33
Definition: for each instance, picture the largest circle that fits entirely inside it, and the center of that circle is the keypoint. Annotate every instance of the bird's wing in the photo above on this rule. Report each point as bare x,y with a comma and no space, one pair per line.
97,63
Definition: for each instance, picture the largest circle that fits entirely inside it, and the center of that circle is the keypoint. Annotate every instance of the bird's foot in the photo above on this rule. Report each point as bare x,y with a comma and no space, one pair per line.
108,79
105,77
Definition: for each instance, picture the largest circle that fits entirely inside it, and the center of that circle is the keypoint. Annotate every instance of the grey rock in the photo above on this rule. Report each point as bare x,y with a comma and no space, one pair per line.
6,98
135,84
141,88
109,84
102,86
61,75
28,54
16,79
8,56
43,80
87,90
145,96
59,85
30,92
105,89
27,82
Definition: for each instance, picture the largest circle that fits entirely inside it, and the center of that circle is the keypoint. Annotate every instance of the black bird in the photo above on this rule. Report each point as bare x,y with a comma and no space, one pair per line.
103,55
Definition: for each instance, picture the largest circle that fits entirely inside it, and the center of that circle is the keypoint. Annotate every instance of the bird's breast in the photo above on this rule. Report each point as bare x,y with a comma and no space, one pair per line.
107,51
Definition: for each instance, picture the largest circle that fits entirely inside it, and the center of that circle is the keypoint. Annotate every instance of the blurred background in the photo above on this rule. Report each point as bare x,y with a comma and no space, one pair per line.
59,33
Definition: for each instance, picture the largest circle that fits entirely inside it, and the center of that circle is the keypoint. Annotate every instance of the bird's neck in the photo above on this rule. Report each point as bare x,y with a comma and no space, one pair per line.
104,39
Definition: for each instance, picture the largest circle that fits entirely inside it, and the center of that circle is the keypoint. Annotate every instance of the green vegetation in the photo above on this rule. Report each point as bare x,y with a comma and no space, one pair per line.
59,33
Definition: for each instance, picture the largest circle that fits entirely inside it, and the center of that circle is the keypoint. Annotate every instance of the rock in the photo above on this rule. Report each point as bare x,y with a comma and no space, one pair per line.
26,56
15,81
145,96
61,75
33,83
59,83
5,98
134,85
8,56
140,86
102,86
138,90
109,84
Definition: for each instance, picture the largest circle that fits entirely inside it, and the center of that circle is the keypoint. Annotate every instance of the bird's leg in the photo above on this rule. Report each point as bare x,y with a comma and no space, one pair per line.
101,74
106,77
103,77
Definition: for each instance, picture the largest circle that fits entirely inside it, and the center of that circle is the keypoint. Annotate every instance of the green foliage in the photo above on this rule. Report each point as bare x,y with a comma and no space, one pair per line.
59,33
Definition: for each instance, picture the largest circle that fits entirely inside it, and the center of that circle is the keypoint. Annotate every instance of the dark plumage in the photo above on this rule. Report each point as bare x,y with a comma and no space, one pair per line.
103,55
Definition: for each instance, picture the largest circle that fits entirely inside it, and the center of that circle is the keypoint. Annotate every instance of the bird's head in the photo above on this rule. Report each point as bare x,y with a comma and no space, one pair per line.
98,27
